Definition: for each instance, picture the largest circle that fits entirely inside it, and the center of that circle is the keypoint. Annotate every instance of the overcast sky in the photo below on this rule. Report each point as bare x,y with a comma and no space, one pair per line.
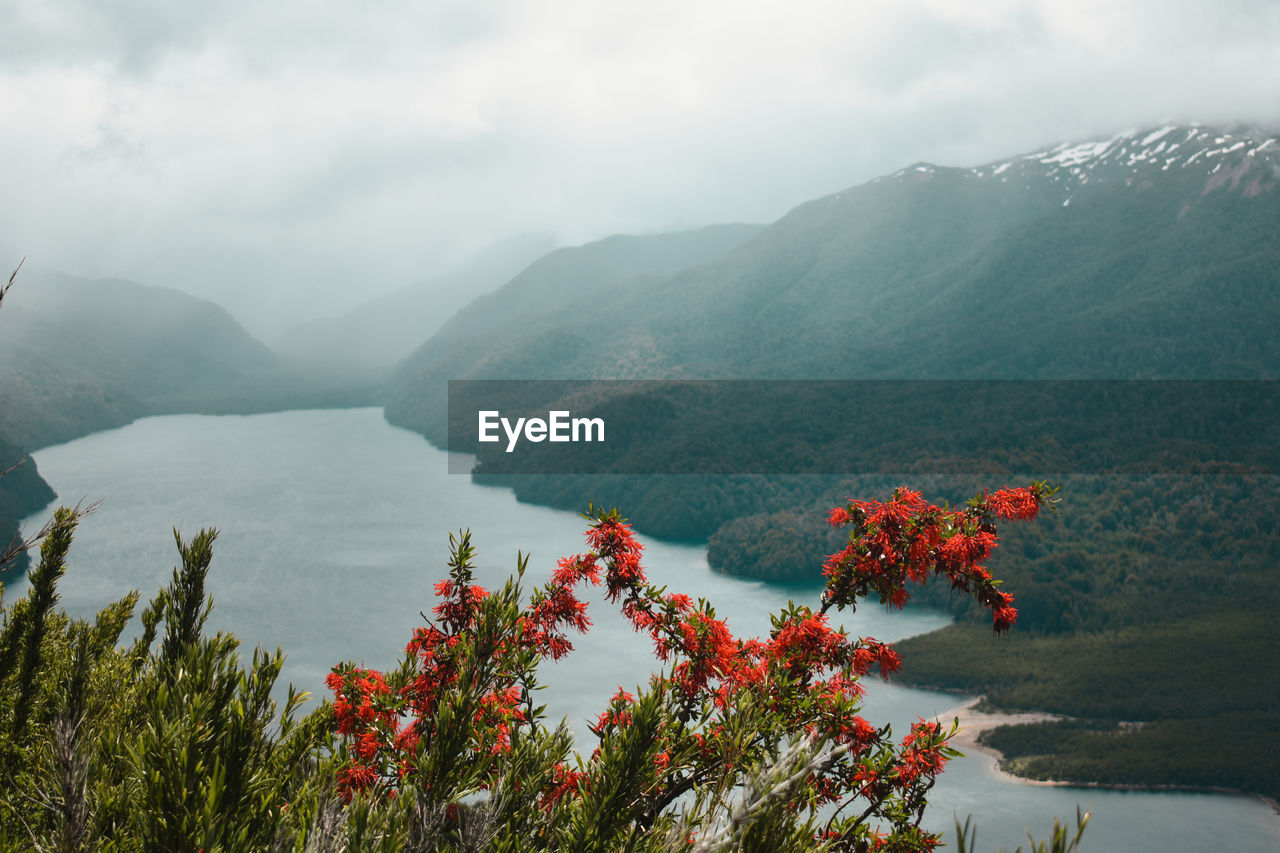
289,159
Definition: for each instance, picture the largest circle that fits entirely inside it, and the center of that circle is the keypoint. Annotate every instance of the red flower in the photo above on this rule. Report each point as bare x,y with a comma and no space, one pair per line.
563,780
354,779
680,602
962,548
1004,617
1020,504
366,746
618,713
570,570
806,643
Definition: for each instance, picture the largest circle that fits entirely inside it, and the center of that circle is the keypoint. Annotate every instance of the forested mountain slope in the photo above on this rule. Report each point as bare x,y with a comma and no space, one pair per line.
1151,254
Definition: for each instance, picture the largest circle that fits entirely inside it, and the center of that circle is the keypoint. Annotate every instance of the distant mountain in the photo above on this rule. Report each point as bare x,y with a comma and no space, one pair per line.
1148,254
535,315
78,356
82,355
373,336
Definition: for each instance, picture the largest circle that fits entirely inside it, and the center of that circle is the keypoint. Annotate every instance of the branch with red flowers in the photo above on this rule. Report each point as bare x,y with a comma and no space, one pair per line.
458,718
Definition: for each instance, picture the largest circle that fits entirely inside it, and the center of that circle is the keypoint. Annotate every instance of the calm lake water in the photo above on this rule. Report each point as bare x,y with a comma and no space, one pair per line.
334,527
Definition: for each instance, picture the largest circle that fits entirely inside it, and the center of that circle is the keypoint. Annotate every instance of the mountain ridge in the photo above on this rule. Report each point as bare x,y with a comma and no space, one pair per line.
373,336
1130,153
1148,254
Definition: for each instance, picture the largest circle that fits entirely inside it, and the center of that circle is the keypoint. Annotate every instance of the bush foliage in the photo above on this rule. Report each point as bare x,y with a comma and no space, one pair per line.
174,742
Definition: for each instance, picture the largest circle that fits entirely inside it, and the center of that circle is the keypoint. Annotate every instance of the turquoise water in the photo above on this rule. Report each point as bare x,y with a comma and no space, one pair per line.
334,527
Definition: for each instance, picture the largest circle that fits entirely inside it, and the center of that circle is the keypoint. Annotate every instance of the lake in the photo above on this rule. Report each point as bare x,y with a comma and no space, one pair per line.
334,528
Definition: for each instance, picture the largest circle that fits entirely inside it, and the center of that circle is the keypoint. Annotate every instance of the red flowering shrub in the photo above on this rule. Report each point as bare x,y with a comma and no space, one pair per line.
733,739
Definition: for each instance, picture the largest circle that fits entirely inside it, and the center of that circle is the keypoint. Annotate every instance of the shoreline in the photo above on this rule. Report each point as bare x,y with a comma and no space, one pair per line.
974,722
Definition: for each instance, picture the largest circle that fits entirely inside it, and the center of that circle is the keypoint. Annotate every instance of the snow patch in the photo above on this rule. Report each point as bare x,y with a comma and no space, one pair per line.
1073,164
1079,153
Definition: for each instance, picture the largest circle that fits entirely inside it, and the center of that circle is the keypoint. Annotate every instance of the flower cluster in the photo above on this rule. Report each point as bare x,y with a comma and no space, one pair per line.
364,713
722,707
907,540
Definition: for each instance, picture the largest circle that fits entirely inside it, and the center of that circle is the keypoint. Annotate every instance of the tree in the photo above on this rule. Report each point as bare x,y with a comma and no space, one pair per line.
168,746
735,744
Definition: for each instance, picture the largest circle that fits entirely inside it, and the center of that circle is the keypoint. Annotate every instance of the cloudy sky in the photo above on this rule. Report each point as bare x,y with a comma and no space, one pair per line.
289,159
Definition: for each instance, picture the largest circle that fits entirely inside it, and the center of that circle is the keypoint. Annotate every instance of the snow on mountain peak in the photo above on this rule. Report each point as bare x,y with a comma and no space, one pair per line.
1214,153
1167,148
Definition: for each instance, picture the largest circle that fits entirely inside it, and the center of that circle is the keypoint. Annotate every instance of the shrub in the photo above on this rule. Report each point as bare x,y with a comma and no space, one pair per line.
174,743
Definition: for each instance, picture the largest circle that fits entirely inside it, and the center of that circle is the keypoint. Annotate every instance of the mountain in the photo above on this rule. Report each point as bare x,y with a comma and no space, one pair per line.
82,355
1148,254
373,336
529,316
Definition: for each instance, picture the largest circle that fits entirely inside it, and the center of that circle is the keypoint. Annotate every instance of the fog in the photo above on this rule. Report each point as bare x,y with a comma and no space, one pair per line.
291,160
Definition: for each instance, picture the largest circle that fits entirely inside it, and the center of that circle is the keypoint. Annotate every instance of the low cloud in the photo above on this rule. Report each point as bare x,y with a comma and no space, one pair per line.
292,159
